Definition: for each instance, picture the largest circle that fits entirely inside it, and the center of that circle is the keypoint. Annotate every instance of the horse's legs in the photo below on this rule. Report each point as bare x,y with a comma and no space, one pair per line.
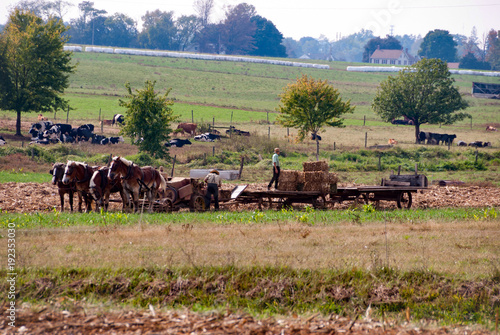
61,195
80,200
71,193
124,197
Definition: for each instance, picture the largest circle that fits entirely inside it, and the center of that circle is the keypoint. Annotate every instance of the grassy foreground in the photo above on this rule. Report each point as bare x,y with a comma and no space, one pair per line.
440,266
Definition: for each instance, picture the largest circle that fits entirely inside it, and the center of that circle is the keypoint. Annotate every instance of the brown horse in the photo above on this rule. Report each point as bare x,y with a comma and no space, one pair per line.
101,187
57,173
136,179
80,174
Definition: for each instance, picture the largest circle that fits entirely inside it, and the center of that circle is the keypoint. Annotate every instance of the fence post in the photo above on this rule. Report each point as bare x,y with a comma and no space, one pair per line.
173,166
192,116
364,120
268,117
269,132
67,115
213,151
366,138
333,146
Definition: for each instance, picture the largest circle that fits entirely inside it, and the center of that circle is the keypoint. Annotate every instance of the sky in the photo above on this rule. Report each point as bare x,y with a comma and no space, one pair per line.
328,18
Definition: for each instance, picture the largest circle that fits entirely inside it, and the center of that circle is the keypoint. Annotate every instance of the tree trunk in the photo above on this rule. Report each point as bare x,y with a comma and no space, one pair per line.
18,124
417,132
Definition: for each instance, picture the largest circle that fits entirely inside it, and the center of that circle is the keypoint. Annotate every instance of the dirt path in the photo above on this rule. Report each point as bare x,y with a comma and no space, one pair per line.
184,322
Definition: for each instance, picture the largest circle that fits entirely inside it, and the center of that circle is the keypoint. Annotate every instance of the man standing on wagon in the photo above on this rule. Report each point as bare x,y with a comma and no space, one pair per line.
276,169
213,183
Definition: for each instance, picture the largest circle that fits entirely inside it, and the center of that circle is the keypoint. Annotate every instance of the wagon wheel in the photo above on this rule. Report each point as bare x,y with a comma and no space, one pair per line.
171,193
404,199
197,203
285,203
166,205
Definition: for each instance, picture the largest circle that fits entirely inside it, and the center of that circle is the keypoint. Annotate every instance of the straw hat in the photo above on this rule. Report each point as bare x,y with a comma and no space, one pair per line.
214,171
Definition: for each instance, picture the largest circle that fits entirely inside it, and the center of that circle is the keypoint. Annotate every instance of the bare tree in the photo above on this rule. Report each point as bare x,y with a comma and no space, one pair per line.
204,9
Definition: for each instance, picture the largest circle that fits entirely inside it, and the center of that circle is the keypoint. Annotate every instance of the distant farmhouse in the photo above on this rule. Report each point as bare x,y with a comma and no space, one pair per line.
393,57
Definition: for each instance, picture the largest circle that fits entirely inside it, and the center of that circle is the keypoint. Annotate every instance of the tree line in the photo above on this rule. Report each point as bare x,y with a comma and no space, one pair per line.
242,31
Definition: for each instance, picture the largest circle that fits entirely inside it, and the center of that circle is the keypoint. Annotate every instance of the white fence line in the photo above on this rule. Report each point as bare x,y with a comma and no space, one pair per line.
397,69
144,52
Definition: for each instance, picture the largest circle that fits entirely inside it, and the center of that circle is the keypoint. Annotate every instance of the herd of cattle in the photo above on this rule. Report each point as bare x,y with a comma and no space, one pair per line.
47,132
434,138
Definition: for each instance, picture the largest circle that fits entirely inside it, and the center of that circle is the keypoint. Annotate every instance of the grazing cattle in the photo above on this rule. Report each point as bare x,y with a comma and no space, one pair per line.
40,141
57,173
480,144
64,127
491,128
189,128
106,123
80,173
392,141
2,141
101,187
207,137
66,138
462,144
112,140
135,179
40,127
313,137
179,143
42,118
434,138
96,139
85,132
118,118
233,130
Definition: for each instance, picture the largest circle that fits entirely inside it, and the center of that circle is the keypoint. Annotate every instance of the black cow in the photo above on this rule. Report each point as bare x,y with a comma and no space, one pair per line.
64,127
448,139
313,137
176,142
116,139
117,118
96,139
66,138
479,144
207,137
2,141
85,132
461,144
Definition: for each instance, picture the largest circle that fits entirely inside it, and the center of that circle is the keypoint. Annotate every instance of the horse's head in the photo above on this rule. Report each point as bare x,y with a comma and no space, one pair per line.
119,165
69,172
113,167
57,172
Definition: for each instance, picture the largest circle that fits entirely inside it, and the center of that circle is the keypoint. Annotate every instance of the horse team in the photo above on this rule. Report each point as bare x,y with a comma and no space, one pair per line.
93,183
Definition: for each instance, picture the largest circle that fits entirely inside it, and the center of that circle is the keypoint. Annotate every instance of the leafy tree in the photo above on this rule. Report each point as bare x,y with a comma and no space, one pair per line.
439,44
308,105
470,61
390,43
148,118
267,39
187,28
493,52
88,28
423,92
34,66
159,31
119,30
238,30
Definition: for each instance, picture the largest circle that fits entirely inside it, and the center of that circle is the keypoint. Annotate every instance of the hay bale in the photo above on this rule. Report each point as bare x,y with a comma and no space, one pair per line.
287,186
289,176
316,177
301,177
315,166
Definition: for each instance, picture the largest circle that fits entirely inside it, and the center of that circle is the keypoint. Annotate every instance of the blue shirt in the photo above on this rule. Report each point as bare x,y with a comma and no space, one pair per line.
276,159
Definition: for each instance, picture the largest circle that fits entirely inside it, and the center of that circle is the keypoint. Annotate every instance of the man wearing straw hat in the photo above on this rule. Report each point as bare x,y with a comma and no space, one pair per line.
276,169
213,183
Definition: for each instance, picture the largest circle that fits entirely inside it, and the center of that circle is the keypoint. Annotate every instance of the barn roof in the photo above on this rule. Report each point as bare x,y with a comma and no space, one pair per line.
387,53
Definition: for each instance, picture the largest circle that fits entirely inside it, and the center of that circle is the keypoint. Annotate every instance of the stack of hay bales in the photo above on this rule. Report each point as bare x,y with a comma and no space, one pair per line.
315,177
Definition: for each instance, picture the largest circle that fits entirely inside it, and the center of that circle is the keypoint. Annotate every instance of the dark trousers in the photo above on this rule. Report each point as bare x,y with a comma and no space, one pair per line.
276,176
212,188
